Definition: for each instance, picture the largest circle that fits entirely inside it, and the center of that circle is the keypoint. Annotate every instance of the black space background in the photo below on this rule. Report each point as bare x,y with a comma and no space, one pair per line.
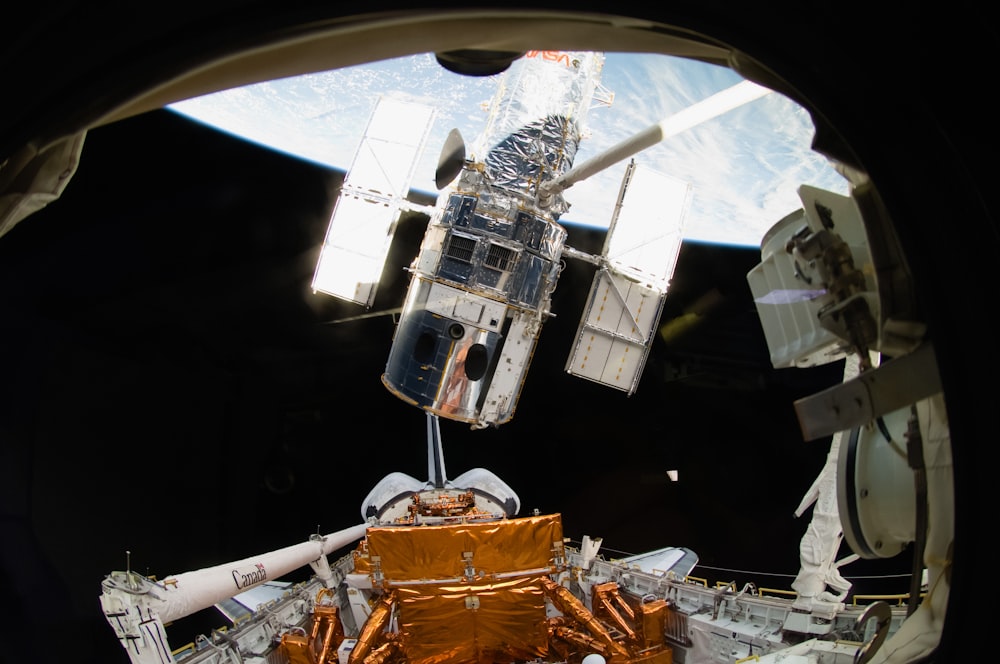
171,387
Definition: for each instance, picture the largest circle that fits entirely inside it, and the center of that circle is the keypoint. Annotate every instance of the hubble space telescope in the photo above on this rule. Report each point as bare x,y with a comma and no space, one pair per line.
445,570
481,285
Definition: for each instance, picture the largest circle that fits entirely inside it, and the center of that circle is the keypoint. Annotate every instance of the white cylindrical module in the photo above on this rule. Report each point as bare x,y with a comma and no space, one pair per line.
193,591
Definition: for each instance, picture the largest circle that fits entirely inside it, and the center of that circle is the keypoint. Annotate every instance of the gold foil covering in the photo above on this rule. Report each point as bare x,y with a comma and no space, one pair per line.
652,618
497,614
297,648
665,656
488,622
428,553
319,647
372,630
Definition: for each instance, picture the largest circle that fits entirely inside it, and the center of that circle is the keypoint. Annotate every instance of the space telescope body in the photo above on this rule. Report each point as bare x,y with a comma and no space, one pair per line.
481,285
445,570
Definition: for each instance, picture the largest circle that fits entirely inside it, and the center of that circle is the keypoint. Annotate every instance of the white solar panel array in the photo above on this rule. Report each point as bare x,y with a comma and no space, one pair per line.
372,197
627,294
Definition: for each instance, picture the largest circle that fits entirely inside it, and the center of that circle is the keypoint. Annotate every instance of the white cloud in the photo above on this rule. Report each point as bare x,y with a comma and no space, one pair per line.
744,167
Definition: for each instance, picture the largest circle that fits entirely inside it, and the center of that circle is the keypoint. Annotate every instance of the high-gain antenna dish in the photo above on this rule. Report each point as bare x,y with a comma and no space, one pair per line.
451,160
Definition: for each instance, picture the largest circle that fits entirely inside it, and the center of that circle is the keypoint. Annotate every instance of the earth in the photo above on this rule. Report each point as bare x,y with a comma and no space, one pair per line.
744,166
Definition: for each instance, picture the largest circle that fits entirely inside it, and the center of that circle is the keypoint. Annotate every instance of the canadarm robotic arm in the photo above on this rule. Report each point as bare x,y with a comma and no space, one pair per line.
137,607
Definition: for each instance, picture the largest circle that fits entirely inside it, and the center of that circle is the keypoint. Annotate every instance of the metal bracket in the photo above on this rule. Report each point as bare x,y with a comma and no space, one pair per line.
882,614
896,384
